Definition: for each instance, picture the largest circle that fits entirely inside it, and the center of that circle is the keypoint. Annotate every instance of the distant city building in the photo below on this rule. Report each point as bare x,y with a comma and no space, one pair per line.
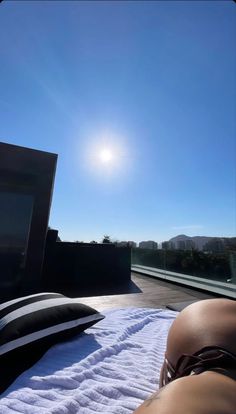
203,243
129,243
198,242
148,245
165,245
132,244
181,244
122,244
215,245
189,244
168,245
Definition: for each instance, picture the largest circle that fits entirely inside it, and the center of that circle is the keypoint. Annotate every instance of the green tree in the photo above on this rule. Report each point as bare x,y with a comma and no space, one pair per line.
106,239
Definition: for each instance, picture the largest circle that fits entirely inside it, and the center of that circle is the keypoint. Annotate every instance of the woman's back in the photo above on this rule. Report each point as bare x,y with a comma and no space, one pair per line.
199,371
207,393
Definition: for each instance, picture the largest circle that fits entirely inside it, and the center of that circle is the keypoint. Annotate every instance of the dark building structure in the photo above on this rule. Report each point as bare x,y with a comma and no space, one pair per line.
26,186
31,257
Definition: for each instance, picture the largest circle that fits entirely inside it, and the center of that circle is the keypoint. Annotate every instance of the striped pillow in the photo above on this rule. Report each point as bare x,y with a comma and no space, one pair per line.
30,325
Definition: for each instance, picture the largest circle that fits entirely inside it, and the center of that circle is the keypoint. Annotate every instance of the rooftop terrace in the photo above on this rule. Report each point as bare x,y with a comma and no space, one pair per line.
32,260
147,292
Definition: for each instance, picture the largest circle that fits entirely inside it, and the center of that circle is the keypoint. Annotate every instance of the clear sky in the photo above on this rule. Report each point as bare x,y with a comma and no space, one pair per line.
138,99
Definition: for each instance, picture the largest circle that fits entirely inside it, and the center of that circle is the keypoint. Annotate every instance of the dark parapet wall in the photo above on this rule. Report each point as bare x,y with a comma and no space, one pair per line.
79,269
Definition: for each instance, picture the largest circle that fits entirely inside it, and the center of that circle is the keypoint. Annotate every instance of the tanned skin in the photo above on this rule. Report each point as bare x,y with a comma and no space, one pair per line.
209,322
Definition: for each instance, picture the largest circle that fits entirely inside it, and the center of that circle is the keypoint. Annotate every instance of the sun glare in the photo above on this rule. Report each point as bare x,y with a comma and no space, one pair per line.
106,155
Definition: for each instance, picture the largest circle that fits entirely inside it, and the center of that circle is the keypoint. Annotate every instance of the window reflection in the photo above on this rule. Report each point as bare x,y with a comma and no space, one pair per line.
15,219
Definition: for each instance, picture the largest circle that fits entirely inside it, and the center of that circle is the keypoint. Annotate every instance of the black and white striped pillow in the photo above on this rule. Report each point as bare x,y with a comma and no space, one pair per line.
30,325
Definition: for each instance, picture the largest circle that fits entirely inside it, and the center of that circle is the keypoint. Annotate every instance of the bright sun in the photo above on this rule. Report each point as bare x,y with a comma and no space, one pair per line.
105,155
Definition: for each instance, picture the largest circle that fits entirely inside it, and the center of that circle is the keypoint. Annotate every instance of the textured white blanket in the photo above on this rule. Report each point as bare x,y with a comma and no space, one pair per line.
110,369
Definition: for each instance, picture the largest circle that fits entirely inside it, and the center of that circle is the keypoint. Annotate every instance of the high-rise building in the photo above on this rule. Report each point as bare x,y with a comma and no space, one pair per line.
181,244
148,245
127,244
189,244
168,245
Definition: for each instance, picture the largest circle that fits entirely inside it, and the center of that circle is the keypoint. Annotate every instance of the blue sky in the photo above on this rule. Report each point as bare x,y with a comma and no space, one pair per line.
154,83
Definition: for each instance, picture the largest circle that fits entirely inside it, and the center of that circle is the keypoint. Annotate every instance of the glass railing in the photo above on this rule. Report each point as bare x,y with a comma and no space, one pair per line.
220,266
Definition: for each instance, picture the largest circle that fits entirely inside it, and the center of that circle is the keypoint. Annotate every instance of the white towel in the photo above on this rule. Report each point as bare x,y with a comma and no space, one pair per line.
111,368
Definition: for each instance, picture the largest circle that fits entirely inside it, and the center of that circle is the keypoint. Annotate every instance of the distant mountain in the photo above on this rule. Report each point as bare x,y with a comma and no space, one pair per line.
180,237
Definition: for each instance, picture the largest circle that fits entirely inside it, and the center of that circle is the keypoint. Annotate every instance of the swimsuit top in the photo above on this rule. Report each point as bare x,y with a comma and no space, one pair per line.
210,358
